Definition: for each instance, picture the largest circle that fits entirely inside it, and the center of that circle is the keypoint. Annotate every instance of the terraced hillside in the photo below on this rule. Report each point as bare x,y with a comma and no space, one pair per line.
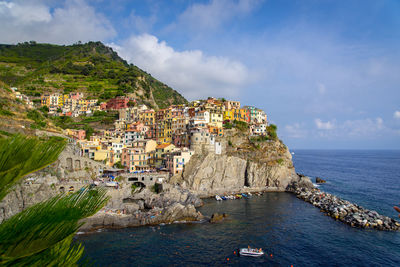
91,68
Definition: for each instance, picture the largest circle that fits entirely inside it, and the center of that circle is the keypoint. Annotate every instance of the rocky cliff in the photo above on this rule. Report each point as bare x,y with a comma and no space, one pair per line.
246,165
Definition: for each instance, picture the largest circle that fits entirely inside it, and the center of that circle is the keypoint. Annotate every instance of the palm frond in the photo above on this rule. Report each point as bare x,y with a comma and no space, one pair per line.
64,253
21,155
48,223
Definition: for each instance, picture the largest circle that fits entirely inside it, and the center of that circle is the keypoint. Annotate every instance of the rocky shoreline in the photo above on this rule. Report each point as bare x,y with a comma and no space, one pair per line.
125,209
343,210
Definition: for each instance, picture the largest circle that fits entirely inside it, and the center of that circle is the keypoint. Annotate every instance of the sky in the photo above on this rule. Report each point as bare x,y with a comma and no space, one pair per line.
326,72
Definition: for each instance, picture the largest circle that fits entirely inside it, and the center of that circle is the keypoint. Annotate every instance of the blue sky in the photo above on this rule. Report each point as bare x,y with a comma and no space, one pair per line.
326,72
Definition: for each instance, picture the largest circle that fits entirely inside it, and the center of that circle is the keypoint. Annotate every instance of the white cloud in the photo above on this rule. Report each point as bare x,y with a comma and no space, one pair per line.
396,114
368,127
295,130
75,21
363,127
211,15
324,125
25,14
190,72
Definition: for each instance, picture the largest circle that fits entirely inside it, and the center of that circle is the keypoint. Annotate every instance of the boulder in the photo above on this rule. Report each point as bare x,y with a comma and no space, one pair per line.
216,217
319,180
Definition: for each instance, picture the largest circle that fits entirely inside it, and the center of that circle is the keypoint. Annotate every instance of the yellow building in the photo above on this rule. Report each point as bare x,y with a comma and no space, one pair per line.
216,119
82,102
241,115
147,117
160,152
164,131
101,155
45,100
229,115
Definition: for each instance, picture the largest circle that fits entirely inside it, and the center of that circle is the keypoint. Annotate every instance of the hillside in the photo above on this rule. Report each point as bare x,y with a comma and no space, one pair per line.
91,68
16,117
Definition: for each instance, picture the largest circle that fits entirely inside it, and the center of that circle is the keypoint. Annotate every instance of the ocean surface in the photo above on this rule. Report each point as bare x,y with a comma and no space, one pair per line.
291,231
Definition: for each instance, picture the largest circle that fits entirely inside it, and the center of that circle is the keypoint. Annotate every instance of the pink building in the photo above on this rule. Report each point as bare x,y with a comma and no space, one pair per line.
76,96
103,105
76,134
118,103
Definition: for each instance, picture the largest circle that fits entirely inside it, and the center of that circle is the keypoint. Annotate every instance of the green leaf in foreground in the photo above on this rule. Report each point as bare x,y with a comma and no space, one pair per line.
21,155
40,233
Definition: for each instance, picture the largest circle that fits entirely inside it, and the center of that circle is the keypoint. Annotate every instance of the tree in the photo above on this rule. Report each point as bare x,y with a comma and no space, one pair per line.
271,129
119,165
42,234
131,103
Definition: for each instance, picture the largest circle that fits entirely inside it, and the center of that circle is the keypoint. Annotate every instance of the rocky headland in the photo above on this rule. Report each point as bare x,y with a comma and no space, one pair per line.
248,165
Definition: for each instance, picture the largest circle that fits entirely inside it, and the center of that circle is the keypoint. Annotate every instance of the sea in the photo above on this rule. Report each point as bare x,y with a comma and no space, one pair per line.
290,231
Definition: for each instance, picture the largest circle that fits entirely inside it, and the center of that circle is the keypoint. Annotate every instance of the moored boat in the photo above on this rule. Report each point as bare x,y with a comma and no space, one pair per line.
218,198
252,252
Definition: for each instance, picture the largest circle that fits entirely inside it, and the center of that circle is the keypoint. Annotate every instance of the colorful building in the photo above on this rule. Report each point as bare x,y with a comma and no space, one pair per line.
118,102
175,161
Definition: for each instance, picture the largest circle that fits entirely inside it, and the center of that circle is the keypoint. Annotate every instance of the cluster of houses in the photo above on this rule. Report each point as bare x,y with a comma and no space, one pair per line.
71,105
75,105
22,97
145,140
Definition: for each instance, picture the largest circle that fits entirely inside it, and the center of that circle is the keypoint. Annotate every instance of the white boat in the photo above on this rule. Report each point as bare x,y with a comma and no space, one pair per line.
218,198
252,252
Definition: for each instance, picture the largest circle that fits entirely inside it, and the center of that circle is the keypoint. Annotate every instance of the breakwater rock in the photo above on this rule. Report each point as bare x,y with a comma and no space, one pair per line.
345,211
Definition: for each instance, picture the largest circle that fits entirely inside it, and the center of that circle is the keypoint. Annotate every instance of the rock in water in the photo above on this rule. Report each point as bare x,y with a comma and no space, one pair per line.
216,217
319,180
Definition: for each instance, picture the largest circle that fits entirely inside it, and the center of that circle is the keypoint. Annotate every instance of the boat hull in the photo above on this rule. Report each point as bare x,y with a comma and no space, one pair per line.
251,253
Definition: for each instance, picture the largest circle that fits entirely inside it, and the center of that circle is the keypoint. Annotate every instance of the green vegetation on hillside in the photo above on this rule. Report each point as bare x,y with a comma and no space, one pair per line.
241,125
91,68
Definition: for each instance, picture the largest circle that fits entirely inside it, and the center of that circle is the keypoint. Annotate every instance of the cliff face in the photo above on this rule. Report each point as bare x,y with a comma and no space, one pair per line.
246,165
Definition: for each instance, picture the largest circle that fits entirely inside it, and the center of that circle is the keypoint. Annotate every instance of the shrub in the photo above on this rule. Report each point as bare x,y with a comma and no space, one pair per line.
119,165
241,125
271,129
156,188
228,125
5,112
38,119
120,179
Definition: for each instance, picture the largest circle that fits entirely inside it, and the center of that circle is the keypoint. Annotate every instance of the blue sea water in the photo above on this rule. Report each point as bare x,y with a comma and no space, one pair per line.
291,231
